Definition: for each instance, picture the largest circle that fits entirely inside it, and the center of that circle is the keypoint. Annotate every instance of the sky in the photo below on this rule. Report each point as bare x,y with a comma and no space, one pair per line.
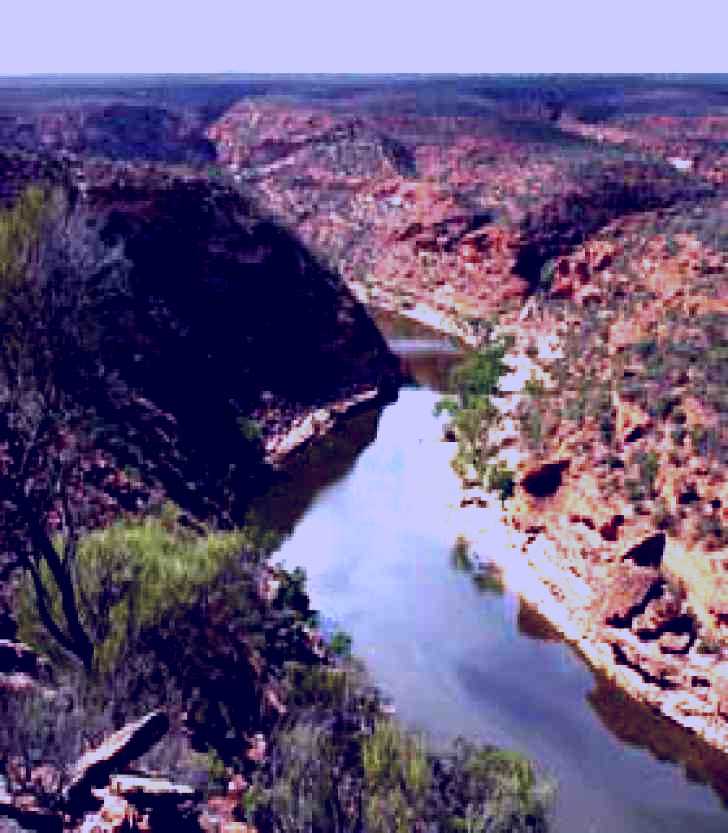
362,36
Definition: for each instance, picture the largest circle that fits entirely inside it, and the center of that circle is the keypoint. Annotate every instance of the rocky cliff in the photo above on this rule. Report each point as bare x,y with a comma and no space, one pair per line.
616,432
234,344
618,441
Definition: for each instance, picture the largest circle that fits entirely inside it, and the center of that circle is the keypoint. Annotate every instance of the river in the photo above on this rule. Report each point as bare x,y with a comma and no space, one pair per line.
369,517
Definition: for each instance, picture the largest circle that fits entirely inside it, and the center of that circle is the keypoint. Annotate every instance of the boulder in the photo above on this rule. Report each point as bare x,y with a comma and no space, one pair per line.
150,792
626,592
674,643
116,752
25,811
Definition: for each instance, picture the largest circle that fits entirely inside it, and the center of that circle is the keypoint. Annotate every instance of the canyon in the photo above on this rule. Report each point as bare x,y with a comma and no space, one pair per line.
259,226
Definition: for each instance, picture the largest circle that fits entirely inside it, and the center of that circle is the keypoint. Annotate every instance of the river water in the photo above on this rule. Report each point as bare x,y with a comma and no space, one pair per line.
370,519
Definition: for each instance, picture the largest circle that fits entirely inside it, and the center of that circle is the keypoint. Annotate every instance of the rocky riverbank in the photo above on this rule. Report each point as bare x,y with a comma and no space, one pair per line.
619,610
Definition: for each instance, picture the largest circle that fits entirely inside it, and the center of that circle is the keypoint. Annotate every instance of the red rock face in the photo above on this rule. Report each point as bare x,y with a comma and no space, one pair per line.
688,143
640,519
413,219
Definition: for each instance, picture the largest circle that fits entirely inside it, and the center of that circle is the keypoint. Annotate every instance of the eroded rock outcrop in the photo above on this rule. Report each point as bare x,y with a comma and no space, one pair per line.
116,752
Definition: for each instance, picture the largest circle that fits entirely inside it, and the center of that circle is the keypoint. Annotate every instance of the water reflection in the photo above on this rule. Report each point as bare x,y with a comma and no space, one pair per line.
311,470
486,576
426,358
532,624
467,657
639,725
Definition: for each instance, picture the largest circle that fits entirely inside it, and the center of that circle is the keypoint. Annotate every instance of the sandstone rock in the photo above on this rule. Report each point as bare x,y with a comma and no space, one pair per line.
25,811
719,678
657,613
116,752
45,778
674,643
631,420
115,810
258,748
624,591
647,659
17,682
150,791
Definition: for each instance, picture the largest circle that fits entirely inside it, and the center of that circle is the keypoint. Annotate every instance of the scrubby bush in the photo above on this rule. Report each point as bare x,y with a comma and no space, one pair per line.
128,577
473,384
368,774
501,480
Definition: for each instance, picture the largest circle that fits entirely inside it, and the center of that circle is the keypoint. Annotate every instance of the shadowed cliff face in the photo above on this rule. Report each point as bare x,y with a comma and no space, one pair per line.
112,129
229,333
232,318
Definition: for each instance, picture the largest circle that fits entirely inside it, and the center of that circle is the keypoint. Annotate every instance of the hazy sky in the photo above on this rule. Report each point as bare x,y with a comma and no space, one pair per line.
64,36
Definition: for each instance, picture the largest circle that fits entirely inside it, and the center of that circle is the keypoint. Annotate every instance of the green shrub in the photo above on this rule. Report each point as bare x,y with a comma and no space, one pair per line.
473,383
708,645
532,426
649,466
340,644
502,480
20,229
534,388
546,276
249,428
460,555
130,575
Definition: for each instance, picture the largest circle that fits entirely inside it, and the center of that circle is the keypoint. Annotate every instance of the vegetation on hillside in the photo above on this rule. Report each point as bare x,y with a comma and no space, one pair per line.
201,624
474,383
138,605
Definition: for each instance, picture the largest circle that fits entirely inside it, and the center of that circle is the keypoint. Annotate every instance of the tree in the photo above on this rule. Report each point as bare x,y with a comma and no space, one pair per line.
59,286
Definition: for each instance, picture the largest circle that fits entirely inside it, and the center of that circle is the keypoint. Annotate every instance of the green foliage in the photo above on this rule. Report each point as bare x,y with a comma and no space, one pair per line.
662,517
672,246
340,644
531,423
473,383
337,764
446,405
216,770
479,374
488,579
501,480
249,428
712,531
707,645
397,775
391,758
20,230
634,490
534,388
130,575
649,467
460,555
678,435
546,276
607,426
